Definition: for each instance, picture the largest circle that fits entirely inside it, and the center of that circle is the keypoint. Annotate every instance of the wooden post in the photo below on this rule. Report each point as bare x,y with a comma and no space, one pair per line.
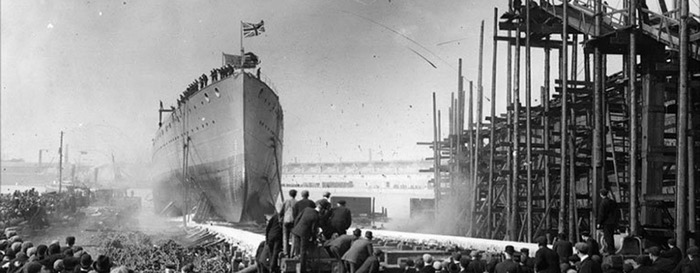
512,228
632,88
528,123
492,136
516,135
479,117
545,132
682,216
573,227
436,156
563,68
598,155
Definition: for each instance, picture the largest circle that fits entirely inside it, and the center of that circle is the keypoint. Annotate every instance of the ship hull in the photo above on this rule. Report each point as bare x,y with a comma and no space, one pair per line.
220,152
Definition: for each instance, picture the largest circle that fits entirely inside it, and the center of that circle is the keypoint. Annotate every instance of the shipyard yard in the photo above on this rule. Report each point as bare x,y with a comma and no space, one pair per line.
350,137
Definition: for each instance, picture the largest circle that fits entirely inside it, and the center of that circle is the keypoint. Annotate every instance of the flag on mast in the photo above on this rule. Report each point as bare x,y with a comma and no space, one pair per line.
252,29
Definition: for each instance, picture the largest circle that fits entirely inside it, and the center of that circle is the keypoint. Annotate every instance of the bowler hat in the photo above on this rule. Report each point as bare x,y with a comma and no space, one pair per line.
510,249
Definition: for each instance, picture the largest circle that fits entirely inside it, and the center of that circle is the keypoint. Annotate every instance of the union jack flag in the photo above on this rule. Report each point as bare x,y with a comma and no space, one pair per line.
251,29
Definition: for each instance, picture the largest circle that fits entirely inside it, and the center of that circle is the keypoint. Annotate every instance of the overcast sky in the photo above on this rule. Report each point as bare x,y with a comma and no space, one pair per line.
97,70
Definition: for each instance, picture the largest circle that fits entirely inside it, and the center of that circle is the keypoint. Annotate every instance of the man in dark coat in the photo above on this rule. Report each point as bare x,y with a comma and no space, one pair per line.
593,246
359,251
371,264
527,264
663,265
475,265
305,202
273,239
563,248
304,231
338,246
673,252
341,218
508,265
607,220
586,265
546,260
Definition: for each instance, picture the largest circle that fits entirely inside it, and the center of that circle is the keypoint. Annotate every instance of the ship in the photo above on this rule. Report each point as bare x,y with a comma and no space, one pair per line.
218,153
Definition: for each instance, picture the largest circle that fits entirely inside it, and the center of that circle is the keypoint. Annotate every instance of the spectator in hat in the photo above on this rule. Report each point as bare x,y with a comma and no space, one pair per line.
304,231
586,265
327,196
546,259
341,218
691,262
287,219
527,265
340,245
102,264
673,253
593,246
508,265
563,248
476,265
359,251
305,202
662,265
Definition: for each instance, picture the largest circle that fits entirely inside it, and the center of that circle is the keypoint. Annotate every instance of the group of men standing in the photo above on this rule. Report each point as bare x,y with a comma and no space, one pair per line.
306,222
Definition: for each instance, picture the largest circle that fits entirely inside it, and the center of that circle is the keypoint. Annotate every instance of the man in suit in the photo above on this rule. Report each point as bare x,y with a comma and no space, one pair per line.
341,218
305,231
673,252
563,248
546,260
359,251
299,206
508,265
662,265
273,239
338,246
607,220
586,265
305,202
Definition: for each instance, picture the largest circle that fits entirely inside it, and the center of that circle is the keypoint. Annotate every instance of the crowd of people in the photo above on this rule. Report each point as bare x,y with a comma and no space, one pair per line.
37,210
120,252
